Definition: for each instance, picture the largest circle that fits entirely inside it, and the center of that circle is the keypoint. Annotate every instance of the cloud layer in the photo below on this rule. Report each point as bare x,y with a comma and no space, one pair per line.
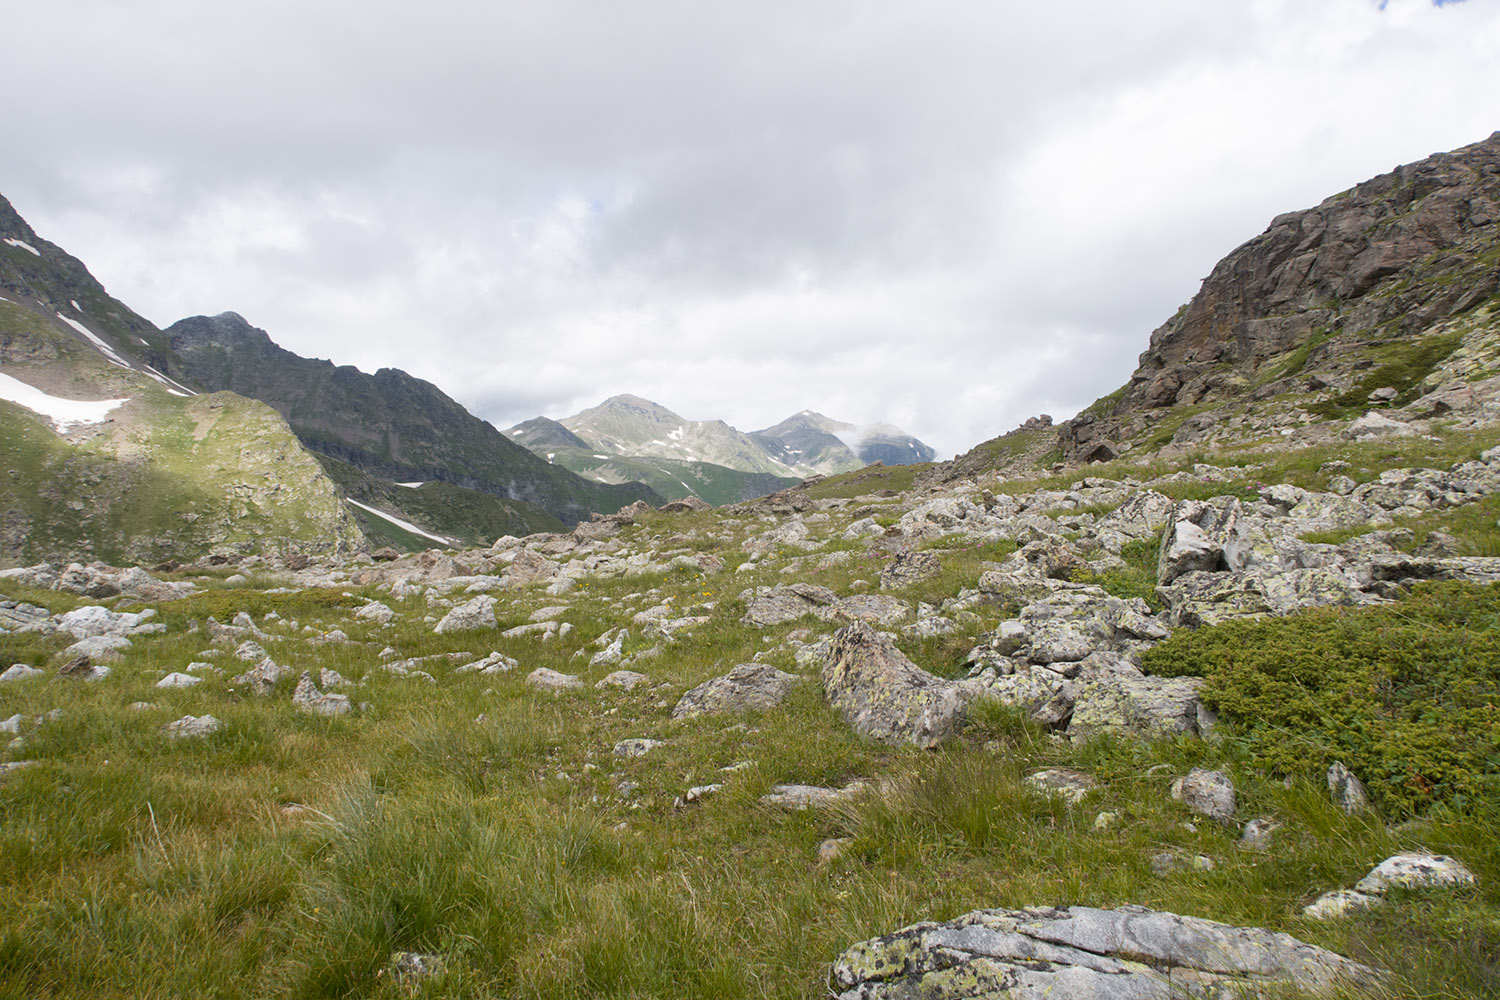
950,217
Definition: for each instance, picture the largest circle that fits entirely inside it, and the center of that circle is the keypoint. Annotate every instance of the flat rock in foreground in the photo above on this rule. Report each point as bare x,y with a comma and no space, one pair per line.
1130,953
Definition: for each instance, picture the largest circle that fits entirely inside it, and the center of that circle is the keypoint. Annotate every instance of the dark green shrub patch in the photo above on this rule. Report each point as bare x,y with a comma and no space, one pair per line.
1406,694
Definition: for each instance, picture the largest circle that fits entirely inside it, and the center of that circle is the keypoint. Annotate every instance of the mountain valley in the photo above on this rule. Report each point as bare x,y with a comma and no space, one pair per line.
1193,693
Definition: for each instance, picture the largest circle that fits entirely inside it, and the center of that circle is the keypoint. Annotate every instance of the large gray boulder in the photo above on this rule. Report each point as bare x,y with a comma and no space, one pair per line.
774,605
1046,953
885,696
476,614
1140,706
748,687
1207,793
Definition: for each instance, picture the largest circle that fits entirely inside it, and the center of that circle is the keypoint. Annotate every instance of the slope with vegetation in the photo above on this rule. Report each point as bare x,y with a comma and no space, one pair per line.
906,731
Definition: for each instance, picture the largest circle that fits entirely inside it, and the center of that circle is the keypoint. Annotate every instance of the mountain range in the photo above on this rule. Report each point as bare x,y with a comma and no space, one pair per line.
627,437
413,465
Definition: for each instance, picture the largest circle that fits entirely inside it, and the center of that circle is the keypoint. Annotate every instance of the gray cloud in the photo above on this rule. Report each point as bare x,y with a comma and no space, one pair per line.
950,217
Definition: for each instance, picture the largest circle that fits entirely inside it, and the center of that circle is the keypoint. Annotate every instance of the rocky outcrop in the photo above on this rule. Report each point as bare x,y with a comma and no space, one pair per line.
885,696
1129,953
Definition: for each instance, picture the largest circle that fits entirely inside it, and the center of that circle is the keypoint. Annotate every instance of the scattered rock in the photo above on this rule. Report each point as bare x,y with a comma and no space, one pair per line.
1207,793
747,687
495,663
1415,871
545,679
178,680
19,672
1069,785
262,678
613,653
474,614
627,679
695,794
1377,425
1140,706
1347,791
308,698
410,967
1257,834
192,725
98,648
635,747
1168,862
798,797
769,606
909,567
376,612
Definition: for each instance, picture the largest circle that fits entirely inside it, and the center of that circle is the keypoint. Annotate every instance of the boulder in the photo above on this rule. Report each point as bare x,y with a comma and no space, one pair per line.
1067,784
1347,791
192,725
17,616
1207,793
748,687
638,747
909,567
799,797
550,680
769,606
885,696
474,614
179,680
1415,871
625,679
92,620
1377,425
1129,953
1140,706
308,698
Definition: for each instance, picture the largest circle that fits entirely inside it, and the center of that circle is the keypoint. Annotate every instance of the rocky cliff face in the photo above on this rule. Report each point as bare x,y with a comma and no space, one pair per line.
1403,250
1390,285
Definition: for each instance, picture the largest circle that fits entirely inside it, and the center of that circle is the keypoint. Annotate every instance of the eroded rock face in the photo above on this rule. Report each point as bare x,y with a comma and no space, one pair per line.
1044,953
885,696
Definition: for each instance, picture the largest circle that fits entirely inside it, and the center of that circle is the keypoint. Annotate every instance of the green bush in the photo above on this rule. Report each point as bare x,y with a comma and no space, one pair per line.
1406,694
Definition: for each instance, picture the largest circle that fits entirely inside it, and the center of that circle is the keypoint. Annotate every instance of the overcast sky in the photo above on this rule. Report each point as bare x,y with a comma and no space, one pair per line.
950,216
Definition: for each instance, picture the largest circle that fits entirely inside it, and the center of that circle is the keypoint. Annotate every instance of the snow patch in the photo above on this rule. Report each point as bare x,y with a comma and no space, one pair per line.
105,349
142,341
75,305
175,388
65,414
404,525
605,457
410,486
675,435
517,432
551,455
23,245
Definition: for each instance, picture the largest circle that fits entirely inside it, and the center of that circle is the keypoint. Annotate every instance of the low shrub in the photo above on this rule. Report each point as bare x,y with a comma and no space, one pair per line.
1406,695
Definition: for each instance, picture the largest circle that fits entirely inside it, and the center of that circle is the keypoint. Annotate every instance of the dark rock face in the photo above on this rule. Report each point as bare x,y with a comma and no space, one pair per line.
389,424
